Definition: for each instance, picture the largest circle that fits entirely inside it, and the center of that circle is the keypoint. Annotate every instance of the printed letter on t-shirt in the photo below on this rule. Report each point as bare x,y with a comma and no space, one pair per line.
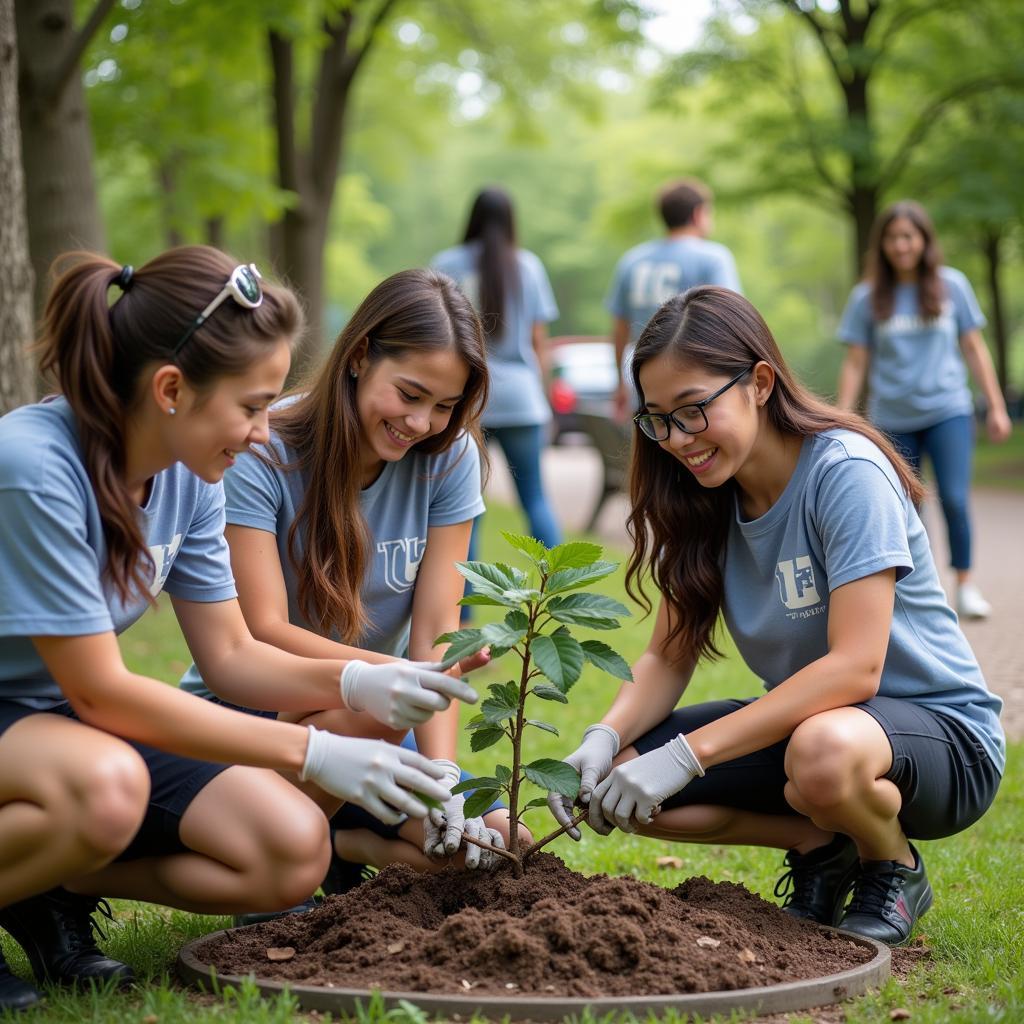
796,582
402,558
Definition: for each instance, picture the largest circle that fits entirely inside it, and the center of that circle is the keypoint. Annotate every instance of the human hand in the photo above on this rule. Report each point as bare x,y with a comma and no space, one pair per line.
593,760
377,776
401,694
633,792
445,826
998,426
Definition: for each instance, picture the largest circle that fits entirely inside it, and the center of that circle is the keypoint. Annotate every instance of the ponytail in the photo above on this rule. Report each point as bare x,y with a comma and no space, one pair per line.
492,223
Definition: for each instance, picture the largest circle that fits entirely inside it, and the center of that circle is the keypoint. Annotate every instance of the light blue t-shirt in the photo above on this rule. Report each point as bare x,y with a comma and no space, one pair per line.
517,396
843,516
654,272
916,374
52,549
410,496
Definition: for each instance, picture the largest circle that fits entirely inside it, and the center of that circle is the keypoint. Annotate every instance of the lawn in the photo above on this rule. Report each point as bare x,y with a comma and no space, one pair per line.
1000,465
975,931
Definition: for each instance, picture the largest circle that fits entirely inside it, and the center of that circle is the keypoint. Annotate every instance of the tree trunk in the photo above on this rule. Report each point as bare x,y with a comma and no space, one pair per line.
992,248
57,147
17,382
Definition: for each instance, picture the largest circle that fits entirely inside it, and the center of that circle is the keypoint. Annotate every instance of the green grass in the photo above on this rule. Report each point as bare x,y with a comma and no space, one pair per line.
975,930
1000,465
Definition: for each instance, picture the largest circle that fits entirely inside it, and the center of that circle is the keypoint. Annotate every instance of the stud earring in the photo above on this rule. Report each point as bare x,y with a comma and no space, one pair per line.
353,374
171,411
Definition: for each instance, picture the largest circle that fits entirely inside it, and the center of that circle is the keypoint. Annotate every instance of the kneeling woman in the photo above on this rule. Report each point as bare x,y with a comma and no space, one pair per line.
796,521
111,782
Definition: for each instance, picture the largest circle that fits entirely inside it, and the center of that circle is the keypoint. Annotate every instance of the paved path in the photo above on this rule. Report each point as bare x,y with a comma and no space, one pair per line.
573,474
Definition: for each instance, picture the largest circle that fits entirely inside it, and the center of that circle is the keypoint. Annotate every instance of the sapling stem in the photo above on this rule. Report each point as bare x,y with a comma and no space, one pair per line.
535,847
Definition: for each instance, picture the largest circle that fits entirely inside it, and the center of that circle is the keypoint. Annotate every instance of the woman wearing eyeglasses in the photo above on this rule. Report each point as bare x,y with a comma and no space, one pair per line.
345,526
795,521
111,782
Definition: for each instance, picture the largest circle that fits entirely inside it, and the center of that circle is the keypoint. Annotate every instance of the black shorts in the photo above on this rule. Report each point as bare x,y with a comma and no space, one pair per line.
174,783
942,771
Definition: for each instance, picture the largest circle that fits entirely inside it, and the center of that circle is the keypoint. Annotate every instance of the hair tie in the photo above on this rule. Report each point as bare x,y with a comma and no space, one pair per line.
124,279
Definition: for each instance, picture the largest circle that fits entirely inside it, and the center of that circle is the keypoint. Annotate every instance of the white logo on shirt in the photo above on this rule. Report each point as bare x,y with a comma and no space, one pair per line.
796,582
402,558
651,284
163,558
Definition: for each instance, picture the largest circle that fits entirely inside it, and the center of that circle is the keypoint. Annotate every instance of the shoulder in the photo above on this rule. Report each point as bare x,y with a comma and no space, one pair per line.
715,250
860,294
845,454
637,253
530,262
453,257
955,280
39,450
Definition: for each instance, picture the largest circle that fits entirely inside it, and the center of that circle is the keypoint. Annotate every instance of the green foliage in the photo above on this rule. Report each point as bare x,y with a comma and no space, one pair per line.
545,601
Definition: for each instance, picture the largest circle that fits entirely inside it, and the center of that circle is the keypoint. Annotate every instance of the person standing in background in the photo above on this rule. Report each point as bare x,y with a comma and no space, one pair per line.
510,289
655,271
908,328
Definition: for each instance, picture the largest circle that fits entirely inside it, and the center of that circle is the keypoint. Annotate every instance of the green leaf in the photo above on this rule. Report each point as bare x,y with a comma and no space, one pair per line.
542,725
463,642
502,635
472,599
559,657
517,595
554,776
517,620
467,784
517,576
508,692
575,555
497,711
593,610
476,804
529,546
538,801
428,801
486,574
484,738
573,579
546,692
503,774
603,657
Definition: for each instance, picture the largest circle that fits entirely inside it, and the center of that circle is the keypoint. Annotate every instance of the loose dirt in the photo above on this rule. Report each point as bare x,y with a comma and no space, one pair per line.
554,932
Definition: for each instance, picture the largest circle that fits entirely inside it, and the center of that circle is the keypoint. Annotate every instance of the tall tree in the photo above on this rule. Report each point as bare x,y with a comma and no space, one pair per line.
56,140
16,378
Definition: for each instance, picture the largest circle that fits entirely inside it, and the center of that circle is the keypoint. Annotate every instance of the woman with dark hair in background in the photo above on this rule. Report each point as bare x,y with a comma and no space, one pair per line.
344,529
511,291
753,499
908,329
111,782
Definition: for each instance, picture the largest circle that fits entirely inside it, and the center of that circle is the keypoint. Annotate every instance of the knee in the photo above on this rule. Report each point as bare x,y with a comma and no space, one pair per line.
111,798
299,850
821,761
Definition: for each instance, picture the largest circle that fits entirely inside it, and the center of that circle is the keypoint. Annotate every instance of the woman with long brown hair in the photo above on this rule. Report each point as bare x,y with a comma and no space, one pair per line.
113,783
756,501
908,328
345,526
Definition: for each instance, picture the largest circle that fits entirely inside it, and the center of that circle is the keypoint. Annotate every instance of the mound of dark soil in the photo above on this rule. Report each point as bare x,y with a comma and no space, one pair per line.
554,932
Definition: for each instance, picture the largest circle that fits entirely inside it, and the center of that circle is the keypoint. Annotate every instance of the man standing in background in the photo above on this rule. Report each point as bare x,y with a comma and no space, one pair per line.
651,273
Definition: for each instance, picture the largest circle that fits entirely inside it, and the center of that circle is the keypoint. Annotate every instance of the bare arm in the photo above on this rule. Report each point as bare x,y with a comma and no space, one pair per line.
859,622
105,694
620,339
435,610
541,348
852,374
979,362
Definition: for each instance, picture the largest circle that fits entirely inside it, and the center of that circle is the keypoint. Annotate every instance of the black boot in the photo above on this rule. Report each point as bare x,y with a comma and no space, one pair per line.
15,994
259,916
344,875
816,884
56,931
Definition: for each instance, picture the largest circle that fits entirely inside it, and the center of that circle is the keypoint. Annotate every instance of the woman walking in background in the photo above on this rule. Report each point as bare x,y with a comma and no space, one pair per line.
511,291
908,328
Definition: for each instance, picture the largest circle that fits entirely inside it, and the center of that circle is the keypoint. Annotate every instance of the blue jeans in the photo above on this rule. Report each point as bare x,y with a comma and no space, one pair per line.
522,447
950,447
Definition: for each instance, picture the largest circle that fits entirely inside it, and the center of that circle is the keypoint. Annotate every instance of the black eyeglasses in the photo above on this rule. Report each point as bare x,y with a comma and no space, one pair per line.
690,419
243,286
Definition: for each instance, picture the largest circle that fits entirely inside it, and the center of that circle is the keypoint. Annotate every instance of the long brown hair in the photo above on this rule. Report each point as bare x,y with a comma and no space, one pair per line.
880,274
96,355
679,528
412,311
492,223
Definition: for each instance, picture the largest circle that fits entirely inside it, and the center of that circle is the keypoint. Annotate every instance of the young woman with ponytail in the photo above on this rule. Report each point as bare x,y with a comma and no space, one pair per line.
345,527
511,291
112,783
796,522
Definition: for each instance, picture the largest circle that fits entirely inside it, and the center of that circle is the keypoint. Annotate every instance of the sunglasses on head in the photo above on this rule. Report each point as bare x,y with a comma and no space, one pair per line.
243,286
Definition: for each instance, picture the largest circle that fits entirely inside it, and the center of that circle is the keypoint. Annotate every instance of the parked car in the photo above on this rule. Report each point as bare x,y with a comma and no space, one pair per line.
583,379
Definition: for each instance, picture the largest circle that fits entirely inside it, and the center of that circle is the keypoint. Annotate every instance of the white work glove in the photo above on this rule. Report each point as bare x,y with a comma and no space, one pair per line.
593,760
379,777
444,828
634,791
401,694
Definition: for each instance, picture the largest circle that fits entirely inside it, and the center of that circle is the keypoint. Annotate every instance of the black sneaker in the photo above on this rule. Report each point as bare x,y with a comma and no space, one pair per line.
888,898
344,875
15,994
817,882
259,916
56,930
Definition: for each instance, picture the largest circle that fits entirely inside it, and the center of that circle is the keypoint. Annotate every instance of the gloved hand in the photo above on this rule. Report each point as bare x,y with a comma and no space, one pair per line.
593,760
401,694
634,791
445,826
377,776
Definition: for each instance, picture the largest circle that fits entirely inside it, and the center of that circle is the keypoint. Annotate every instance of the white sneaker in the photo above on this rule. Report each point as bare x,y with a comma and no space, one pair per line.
970,604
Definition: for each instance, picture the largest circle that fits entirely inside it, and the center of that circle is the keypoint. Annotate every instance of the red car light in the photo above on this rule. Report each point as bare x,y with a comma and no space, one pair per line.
563,398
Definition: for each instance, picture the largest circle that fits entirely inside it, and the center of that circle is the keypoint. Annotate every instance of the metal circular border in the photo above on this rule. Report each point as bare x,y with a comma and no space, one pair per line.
789,996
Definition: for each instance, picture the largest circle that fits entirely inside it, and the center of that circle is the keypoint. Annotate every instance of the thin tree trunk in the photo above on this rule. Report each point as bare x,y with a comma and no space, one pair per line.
57,147
168,202
992,248
16,377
